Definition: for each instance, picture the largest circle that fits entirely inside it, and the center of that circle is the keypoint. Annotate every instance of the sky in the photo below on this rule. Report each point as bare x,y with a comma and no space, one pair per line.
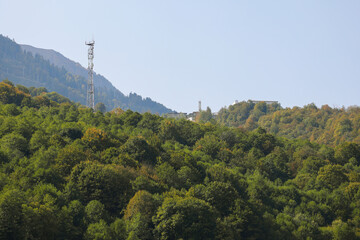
216,51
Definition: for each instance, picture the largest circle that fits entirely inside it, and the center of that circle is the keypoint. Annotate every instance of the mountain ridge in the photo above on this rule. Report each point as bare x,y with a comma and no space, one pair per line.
71,66
27,65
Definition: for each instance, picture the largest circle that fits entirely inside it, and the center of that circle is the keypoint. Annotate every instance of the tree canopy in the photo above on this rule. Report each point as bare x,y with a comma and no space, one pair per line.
68,172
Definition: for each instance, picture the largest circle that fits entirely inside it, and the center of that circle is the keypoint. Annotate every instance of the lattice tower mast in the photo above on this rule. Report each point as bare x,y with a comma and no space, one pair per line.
90,89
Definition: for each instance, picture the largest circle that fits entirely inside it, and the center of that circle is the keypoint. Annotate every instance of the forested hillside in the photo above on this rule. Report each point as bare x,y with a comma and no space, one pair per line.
323,125
67,172
28,68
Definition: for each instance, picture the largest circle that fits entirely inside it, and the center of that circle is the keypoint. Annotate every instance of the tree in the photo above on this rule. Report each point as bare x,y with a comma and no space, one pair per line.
275,165
210,145
67,158
72,133
188,176
109,184
342,230
331,176
167,175
38,139
100,107
142,202
138,148
150,121
118,228
95,211
14,145
132,118
11,94
146,183
40,221
11,110
96,139
72,223
139,227
260,109
220,195
205,116
138,214
345,151
98,231
41,213
186,218
241,223
11,217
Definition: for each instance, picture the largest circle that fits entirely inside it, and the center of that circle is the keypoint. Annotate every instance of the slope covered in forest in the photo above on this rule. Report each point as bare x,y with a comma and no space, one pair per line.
323,125
49,69
67,172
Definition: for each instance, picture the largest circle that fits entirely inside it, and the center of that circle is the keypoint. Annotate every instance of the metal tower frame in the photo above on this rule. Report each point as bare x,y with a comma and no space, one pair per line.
90,100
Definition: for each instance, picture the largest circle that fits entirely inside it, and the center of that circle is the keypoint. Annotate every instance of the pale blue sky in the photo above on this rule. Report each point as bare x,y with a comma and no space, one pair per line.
178,52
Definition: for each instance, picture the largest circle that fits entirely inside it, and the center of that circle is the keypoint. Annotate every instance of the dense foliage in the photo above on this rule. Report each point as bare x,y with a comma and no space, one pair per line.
28,69
323,125
70,173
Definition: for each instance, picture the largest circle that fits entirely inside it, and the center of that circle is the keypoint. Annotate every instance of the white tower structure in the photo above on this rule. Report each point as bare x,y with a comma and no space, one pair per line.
90,100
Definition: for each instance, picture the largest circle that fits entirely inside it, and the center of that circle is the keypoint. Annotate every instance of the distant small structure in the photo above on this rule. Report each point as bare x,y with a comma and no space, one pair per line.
192,116
189,116
176,115
267,102
257,101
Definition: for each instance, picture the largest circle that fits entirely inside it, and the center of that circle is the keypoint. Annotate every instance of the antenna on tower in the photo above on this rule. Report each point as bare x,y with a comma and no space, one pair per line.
90,100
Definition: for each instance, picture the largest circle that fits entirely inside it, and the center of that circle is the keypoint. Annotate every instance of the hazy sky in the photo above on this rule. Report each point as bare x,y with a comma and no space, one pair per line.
178,52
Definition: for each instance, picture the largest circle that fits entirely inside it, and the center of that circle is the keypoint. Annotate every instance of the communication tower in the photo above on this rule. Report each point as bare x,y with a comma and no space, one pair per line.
199,106
90,100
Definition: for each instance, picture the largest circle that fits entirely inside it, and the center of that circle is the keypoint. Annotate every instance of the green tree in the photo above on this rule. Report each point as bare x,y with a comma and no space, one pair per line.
138,148
142,202
138,214
210,145
186,218
14,145
11,217
72,220
331,176
11,110
98,231
275,165
342,230
205,116
96,139
67,158
100,107
109,184
220,195
167,175
118,228
38,139
95,211
346,151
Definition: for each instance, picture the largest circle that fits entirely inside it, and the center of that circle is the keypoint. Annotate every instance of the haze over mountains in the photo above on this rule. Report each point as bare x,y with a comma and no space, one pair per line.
30,66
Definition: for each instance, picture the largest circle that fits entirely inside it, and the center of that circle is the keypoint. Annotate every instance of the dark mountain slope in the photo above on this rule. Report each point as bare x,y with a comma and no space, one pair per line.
72,67
57,73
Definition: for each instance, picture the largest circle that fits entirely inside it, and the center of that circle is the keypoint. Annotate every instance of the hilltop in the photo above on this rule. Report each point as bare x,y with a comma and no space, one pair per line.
324,124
